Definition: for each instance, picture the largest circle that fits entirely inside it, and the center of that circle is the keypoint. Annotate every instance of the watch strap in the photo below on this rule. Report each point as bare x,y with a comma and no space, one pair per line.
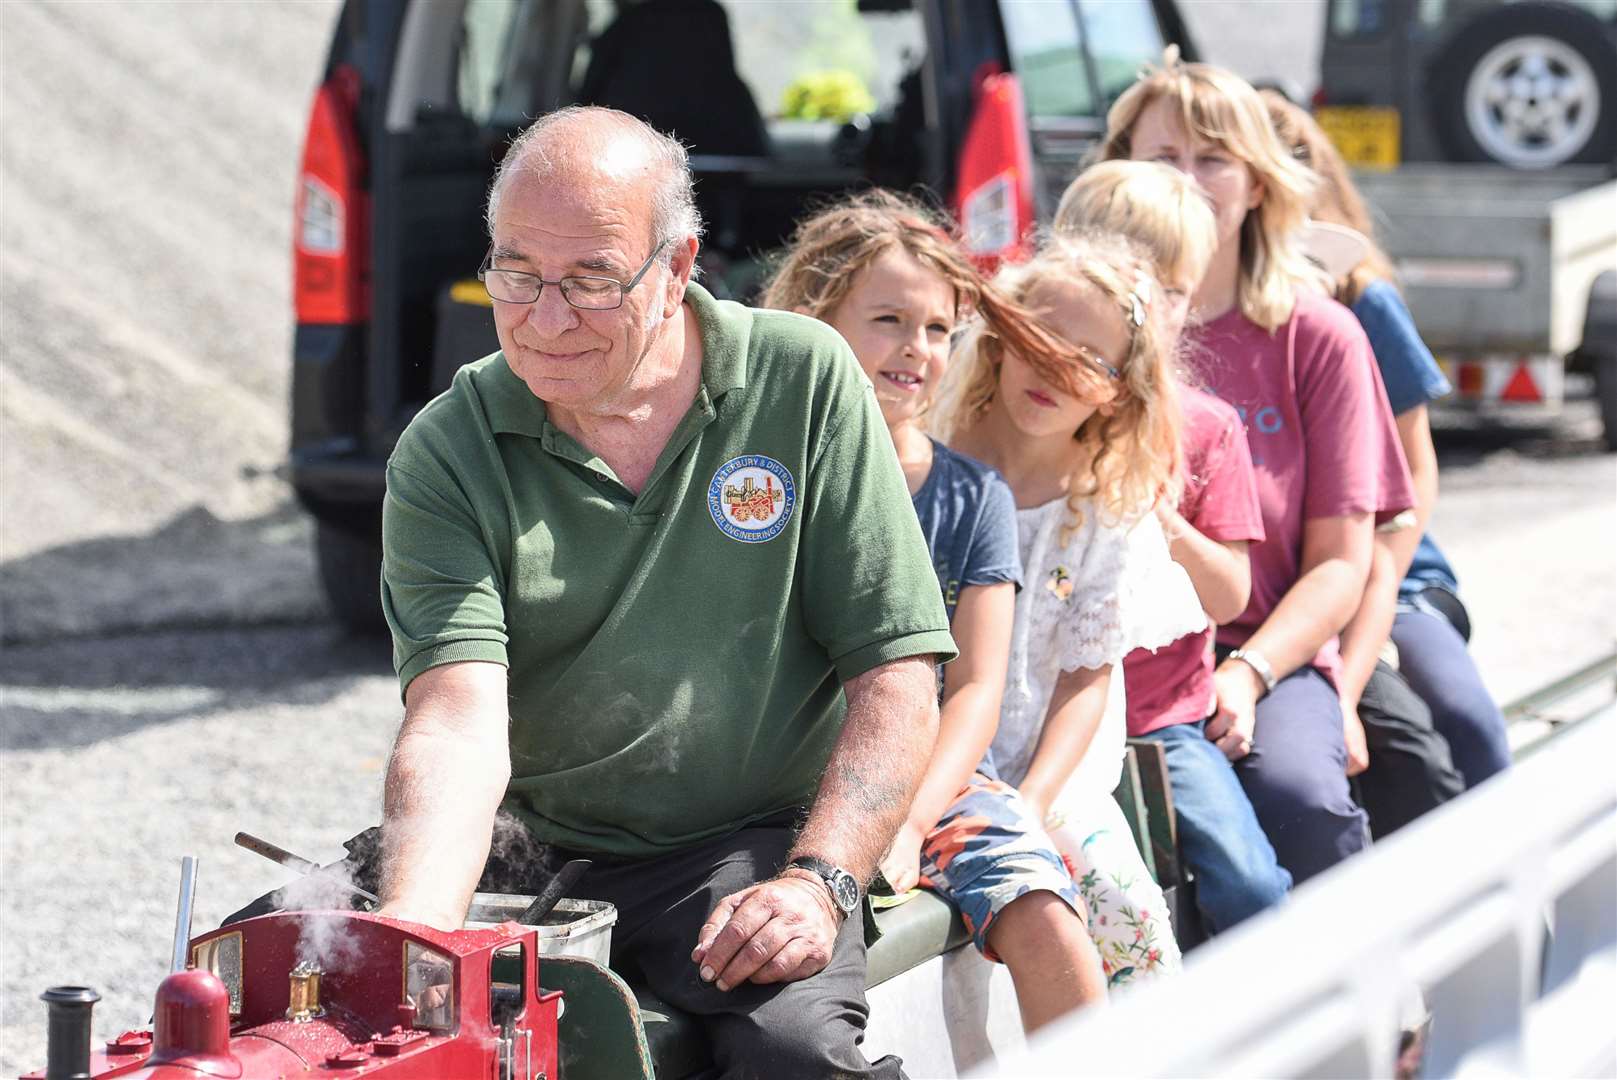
827,873
1258,663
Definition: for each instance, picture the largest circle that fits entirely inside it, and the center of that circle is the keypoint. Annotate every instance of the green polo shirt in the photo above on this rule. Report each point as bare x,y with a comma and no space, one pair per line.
675,657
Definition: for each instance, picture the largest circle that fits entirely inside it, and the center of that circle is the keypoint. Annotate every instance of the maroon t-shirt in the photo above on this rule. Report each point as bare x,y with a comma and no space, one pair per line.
1174,685
1321,433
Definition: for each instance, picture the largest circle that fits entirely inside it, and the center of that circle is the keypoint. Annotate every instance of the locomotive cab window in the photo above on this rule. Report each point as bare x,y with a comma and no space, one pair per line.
429,985
507,991
222,956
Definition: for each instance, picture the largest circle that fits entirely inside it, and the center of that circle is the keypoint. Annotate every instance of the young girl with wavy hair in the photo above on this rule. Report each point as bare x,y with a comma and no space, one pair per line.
1209,528
886,274
1084,427
1297,367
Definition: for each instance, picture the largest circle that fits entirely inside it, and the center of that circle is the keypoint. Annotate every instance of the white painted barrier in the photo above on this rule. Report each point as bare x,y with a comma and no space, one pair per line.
1457,904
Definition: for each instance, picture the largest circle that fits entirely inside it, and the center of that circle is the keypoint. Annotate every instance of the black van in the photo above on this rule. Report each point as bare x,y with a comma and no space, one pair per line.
781,103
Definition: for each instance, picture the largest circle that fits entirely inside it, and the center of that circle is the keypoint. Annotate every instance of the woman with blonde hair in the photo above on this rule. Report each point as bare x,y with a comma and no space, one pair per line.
1420,754
1170,690
1297,367
1084,428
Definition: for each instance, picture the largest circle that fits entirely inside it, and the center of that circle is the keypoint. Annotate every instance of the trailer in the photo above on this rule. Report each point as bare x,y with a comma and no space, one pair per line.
1511,277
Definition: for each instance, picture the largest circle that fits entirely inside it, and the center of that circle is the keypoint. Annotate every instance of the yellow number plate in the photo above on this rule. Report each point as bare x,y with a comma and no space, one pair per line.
1367,136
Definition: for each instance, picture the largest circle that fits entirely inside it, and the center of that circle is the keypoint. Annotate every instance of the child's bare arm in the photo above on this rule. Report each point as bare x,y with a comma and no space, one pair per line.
967,718
1069,727
972,687
1220,570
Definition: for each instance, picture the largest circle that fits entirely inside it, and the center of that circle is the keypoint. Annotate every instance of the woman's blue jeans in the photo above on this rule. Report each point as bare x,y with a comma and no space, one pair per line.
1219,835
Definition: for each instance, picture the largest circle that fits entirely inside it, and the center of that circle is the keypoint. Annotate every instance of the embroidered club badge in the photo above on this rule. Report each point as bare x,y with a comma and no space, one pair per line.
751,498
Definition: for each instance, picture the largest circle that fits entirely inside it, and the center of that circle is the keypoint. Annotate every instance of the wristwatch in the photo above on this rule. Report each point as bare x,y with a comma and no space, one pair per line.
844,888
1259,663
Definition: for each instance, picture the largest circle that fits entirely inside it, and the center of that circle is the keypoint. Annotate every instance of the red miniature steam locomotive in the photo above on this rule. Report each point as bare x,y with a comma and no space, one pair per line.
336,993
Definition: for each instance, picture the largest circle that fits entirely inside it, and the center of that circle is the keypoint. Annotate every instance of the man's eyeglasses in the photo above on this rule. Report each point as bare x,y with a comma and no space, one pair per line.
586,292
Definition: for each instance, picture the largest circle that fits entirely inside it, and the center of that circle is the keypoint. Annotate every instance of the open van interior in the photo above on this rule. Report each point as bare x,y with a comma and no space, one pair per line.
782,105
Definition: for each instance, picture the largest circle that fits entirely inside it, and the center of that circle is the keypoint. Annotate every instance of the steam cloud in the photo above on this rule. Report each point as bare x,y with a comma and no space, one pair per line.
323,940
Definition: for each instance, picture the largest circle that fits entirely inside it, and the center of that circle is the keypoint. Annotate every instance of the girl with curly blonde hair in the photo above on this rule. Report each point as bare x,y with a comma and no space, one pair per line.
1297,368
886,274
1085,430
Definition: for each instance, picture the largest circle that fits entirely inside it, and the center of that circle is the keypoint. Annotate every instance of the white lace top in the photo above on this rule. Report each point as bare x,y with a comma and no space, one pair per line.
1086,603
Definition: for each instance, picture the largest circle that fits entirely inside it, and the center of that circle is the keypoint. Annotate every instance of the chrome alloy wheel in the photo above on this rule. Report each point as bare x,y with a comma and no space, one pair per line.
1532,102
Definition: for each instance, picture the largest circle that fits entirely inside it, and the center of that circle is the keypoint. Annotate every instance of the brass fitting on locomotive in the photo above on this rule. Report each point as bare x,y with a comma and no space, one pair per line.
304,1000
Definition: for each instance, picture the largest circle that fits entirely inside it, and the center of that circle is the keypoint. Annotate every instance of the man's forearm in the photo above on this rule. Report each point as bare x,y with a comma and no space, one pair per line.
875,767
441,794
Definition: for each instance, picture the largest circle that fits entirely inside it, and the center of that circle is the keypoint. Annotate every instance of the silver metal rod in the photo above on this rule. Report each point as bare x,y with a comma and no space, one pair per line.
182,918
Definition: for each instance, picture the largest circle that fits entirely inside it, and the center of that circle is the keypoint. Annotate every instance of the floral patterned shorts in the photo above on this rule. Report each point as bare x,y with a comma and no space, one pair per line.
986,851
1128,917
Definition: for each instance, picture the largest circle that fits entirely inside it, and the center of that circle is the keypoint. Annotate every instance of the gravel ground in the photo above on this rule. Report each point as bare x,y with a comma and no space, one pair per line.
121,755
167,678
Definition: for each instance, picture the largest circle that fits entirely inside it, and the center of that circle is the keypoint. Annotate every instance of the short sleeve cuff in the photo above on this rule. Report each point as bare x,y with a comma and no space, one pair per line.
490,650
1228,531
994,575
935,643
1347,506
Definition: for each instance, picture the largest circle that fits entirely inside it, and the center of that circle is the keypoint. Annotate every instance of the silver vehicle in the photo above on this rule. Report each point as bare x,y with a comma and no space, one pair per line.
1512,277
1487,135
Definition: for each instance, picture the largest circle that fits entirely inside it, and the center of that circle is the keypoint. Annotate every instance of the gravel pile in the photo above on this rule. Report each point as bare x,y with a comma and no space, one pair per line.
147,160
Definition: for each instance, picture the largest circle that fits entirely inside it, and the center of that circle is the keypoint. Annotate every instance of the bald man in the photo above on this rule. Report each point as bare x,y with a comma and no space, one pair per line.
657,592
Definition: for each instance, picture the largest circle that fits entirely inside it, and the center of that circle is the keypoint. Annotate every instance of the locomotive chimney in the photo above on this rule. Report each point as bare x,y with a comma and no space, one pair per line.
303,1004
67,1046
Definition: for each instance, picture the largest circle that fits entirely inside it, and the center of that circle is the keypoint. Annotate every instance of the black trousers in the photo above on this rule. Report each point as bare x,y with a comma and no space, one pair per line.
811,1028
1411,770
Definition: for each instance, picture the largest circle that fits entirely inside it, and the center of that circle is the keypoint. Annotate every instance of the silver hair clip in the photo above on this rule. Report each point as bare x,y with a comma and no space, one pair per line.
1139,298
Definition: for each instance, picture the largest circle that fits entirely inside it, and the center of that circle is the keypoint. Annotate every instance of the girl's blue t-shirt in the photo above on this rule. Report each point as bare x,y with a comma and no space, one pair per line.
1412,378
968,516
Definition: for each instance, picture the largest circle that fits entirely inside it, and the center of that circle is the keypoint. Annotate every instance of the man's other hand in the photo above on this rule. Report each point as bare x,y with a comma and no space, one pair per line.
776,931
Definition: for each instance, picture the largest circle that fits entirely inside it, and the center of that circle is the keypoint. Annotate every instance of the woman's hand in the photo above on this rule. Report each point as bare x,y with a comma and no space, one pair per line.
1236,717
901,866
1358,749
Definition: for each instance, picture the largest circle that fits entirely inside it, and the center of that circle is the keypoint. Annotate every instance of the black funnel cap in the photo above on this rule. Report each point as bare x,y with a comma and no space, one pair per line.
67,1045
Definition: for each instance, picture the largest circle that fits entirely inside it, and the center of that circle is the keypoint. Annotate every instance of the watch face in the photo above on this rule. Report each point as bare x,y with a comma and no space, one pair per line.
845,890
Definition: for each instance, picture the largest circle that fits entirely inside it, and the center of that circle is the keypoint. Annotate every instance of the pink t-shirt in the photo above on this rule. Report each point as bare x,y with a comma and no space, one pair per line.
1174,685
1321,433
